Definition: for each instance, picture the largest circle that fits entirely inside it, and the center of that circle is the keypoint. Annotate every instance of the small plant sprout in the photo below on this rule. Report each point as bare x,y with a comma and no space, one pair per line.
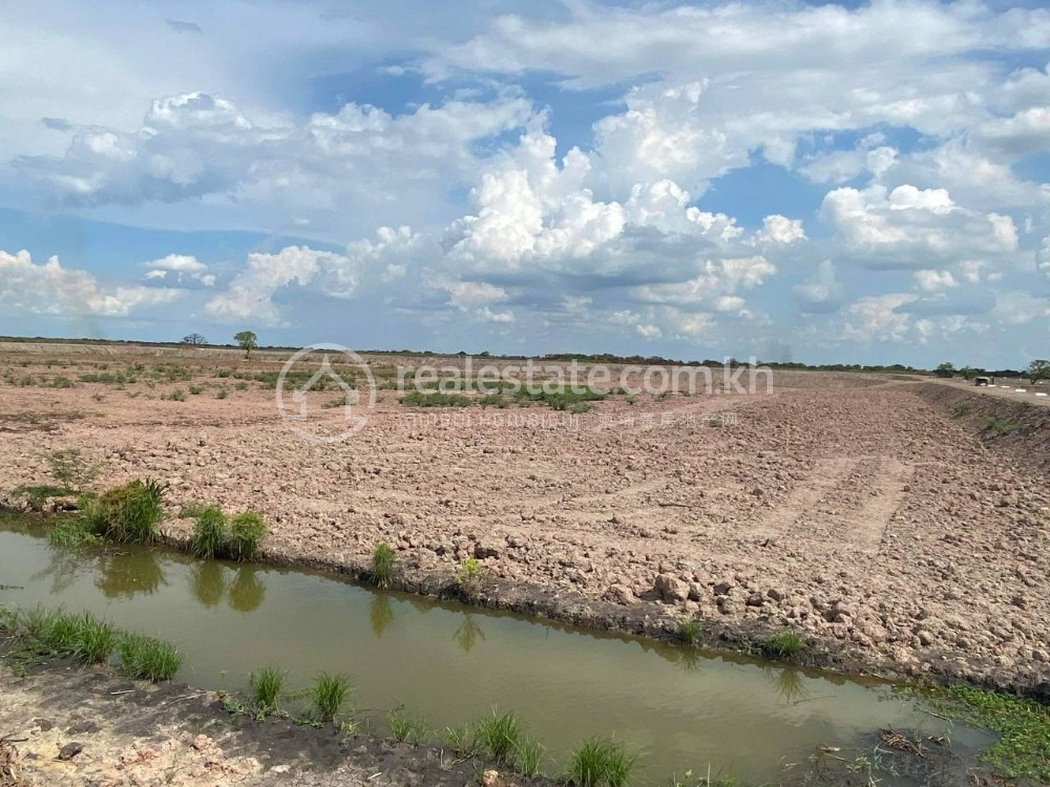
690,632
469,576
405,727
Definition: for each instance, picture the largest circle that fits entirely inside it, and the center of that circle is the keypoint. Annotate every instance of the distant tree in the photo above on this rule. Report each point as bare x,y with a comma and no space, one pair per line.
1038,369
968,372
946,369
194,339
248,341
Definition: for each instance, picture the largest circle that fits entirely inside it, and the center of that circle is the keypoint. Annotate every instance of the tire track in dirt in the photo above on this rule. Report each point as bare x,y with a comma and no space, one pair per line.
867,528
807,494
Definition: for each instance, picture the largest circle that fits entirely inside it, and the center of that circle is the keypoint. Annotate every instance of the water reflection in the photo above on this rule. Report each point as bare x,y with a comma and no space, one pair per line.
380,613
248,590
469,633
788,684
123,574
208,582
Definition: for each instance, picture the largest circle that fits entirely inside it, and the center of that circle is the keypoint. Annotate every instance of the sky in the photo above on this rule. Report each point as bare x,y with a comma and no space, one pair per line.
855,183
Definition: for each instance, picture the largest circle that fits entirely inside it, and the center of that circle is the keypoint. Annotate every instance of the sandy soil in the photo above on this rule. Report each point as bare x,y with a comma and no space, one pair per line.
849,507
63,727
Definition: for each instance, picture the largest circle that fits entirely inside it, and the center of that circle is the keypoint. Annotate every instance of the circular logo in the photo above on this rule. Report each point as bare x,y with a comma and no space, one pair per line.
292,392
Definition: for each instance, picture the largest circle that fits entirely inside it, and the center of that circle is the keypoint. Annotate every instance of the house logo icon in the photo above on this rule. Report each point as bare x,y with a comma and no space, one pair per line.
308,419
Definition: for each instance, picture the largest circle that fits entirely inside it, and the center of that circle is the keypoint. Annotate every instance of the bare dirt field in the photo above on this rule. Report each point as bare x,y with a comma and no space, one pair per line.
871,513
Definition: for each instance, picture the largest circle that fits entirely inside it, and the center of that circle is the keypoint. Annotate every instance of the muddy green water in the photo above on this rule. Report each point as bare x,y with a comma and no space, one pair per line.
681,709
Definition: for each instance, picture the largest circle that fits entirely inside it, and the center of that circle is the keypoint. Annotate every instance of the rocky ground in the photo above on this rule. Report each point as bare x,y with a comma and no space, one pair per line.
848,507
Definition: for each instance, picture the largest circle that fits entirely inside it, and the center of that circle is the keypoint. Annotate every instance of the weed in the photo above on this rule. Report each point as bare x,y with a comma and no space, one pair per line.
267,684
501,737
209,533
995,425
223,373
783,645
128,513
527,755
222,393
177,395
241,386
247,530
146,658
95,640
469,576
37,496
195,390
435,399
384,565
493,400
406,728
331,404
61,382
463,741
599,761
69,469
191,510
328,695
1023,748
71,533
689,632
960,409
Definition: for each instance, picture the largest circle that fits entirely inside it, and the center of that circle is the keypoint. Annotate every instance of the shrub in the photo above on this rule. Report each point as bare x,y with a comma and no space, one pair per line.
222,393
195,390
384,565
406,728
784,645
178,395
209,533
328,695
267,684
600,761
146,658
997,426
127,514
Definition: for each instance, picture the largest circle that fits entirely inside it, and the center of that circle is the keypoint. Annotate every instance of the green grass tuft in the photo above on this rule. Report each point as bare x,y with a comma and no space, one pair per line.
501,737
128,514
209,533
435,399
784,645
384,565
146,658
601,762
690,632
328,695
71,532
247,530
267,685
405,727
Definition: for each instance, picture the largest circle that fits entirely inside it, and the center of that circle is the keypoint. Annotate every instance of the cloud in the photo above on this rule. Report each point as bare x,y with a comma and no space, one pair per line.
932,281
822,294
49,288
908,227
184,27
184,269
780,229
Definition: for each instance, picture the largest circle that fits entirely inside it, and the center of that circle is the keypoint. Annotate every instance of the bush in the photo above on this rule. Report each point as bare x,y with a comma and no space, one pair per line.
71,533
247,530
384,565
222,393
469,576
146,658
599,762
128,514
435,399
209,533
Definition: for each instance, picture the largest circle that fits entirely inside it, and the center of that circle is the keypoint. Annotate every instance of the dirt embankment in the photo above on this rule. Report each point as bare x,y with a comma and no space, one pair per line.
72,727
1018,429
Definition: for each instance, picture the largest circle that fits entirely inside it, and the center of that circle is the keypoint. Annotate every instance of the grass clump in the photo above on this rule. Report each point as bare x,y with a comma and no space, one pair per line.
267,685
1023,749
247,530
146,658
462,741
177,395
435,399
71,532
690,632
995,425
601,762
209,533
783,645
384,565
214,536
59,634
328,695
127,514
959,409
222,393
501,737
405,727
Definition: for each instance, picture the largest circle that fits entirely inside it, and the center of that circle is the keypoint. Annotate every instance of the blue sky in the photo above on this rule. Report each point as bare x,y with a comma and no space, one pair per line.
859,182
